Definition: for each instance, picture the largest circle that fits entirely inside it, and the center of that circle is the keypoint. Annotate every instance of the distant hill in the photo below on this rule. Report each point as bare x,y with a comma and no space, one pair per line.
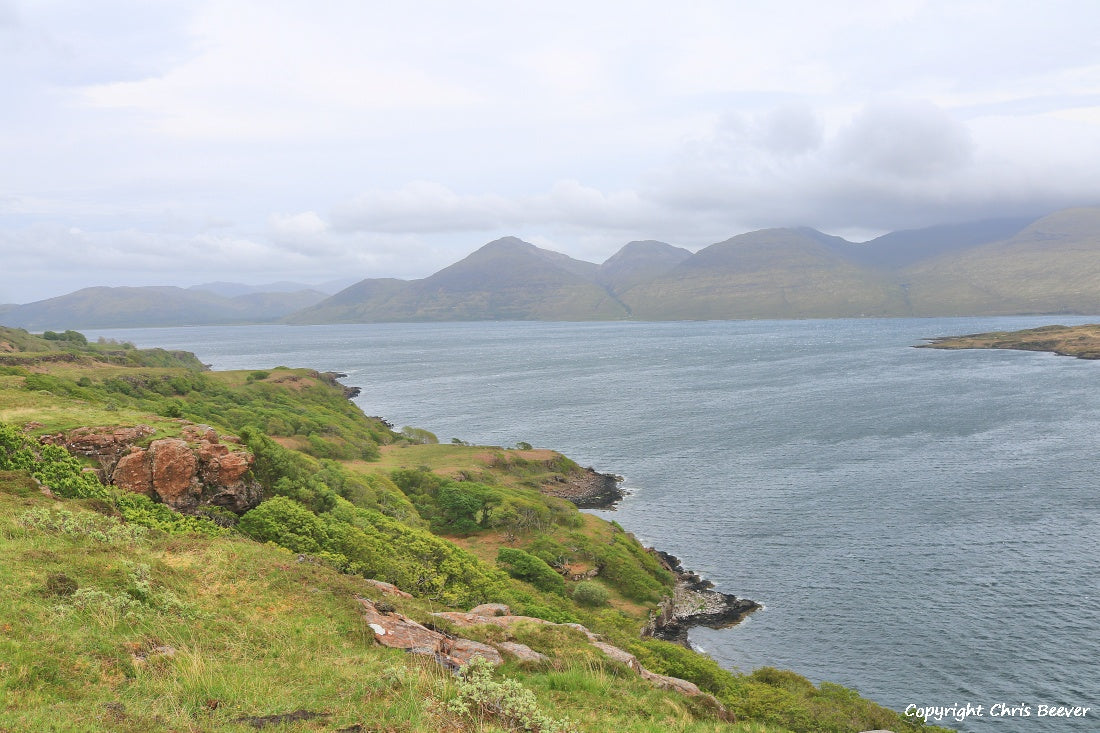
773,273
122,307
507,279
233,290
993,267
639,262
903,248
1051,266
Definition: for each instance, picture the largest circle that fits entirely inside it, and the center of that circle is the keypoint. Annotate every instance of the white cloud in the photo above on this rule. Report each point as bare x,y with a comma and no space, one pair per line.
279,138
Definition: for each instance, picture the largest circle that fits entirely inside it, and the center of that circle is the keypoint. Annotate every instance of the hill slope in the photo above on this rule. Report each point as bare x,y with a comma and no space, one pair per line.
1051,266
507,279
122,307
774,273
639,262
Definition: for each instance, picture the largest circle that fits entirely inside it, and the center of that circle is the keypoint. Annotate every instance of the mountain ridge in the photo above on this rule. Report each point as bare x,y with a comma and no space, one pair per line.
1014,265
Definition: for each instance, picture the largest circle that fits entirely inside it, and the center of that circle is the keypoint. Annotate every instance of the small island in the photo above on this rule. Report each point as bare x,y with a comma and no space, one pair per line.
1082,342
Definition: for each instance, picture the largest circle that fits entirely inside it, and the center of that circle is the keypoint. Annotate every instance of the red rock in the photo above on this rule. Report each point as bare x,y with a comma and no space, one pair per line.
522,652
671,683
619,655
134,472
491,609
463,651
174,468
400,632
388,588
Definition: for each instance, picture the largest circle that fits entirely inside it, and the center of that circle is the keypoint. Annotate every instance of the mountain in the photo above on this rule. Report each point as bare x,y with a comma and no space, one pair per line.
122,307
1051,266
233,290
638,262
772,273
507,279
903,248
362,302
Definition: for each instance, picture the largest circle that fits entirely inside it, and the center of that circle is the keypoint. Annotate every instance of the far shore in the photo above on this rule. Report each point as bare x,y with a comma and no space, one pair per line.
1082,342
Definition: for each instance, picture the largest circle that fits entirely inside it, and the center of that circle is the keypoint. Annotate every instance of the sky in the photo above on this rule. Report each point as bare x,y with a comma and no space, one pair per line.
154,142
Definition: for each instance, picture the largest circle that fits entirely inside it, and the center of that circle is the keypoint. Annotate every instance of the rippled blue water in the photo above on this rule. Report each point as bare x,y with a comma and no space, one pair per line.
921,525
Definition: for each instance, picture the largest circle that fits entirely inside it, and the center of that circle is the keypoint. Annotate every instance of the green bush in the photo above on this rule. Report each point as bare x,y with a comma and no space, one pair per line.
528,568
590,593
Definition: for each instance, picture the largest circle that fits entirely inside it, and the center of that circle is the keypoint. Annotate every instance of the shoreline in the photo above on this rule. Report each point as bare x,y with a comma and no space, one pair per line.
693,603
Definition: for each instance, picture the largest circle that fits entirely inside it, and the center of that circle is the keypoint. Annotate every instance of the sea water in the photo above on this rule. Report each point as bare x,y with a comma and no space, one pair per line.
920,525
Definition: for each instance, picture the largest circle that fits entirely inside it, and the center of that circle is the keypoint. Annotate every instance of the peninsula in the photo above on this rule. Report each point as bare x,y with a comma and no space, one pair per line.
1082,342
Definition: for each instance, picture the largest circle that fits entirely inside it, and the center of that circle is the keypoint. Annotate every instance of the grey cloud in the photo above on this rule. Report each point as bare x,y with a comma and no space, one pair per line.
791,130
904,141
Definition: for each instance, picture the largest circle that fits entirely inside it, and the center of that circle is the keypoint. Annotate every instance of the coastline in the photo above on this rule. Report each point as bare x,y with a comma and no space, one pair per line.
694,601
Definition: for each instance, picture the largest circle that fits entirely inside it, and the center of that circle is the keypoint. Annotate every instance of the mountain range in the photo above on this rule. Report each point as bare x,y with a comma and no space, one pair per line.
1008,266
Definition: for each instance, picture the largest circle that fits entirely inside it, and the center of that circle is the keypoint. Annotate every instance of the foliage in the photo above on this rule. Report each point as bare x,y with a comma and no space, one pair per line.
590,593
530,569
418,435
506,702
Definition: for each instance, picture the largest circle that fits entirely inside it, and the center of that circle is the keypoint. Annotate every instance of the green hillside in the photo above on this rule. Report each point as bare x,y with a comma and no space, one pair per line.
122,614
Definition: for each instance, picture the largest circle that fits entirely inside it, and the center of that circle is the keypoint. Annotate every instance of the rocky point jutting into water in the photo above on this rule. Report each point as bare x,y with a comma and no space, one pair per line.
694,602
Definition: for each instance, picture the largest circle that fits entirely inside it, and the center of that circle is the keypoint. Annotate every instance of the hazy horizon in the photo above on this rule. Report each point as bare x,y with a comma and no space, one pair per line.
182,143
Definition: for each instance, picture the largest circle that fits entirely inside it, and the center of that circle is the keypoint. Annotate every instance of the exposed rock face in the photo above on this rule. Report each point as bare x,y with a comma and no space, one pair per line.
197,469
134,472
400,632
106,445
175,473
588,489
694,602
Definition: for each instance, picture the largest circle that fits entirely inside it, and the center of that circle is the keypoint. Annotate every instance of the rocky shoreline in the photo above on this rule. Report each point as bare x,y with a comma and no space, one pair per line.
694,602
588,489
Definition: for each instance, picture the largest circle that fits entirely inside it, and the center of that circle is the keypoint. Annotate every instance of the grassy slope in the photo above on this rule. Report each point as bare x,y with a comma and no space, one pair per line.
253,631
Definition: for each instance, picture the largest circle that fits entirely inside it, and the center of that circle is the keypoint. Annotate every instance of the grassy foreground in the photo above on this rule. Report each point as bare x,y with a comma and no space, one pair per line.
119,614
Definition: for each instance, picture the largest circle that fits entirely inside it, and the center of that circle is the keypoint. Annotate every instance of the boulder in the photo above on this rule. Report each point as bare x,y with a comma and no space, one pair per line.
491,609
619,655
388,588
396,631
671,683
463,651
522,652
174,473
134,472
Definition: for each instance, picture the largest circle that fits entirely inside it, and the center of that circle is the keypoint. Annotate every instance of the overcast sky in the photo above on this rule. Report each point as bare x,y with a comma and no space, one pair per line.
174,143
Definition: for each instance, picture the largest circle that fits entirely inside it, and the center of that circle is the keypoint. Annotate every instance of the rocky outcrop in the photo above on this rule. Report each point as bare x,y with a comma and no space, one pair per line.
199,468
694,602
400,632
396,631
587,488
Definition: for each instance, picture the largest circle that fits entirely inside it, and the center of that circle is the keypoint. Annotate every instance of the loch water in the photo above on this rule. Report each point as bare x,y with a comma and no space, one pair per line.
920,525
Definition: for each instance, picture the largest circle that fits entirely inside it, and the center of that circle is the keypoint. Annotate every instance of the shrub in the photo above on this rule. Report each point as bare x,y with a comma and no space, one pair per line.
590,593
525,566
507,702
